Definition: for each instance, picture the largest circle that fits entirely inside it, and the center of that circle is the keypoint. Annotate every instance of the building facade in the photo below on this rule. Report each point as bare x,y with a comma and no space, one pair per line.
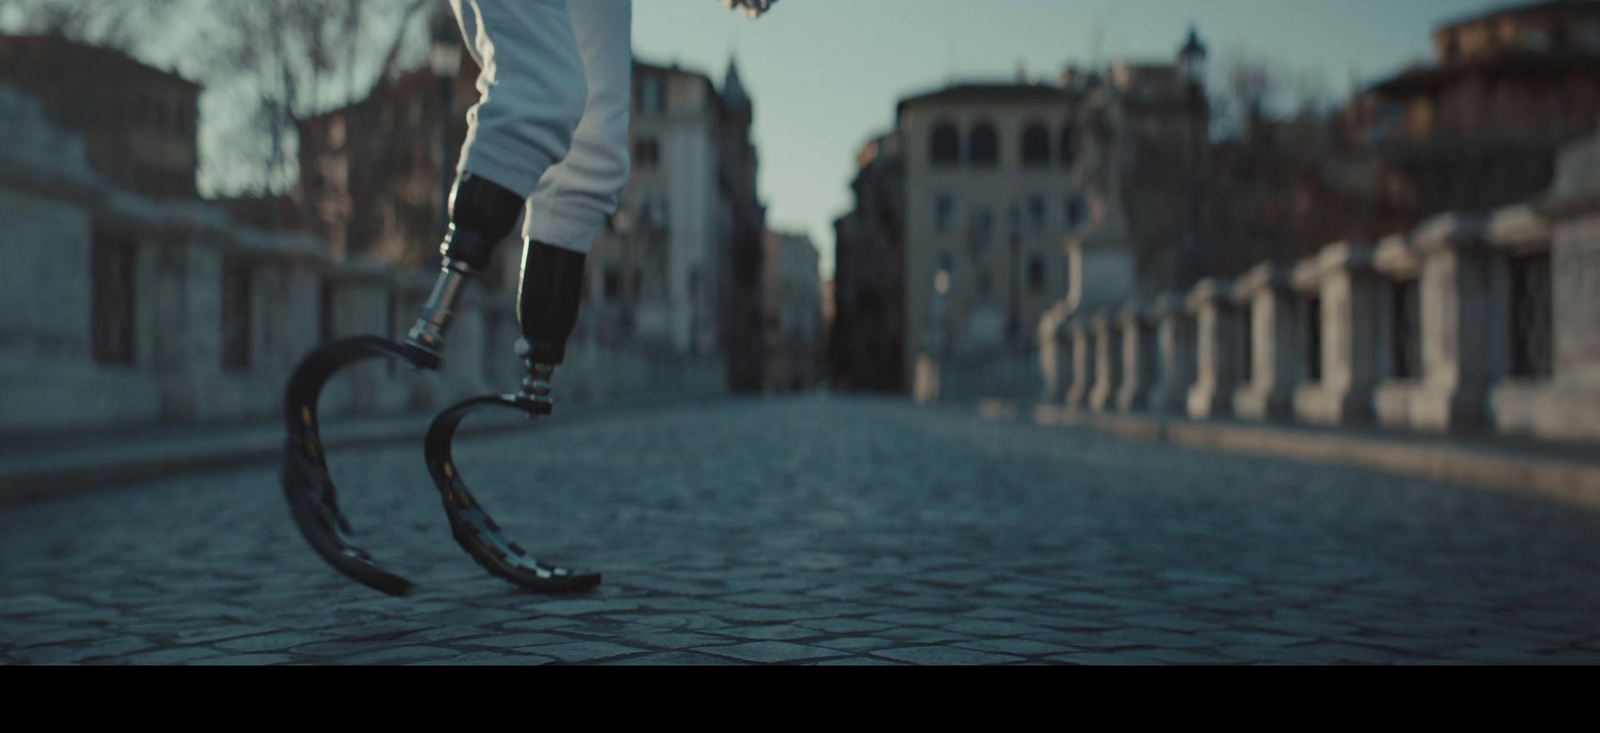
866,346
989,197
680,265
1481,126
792,312
677,267
139,124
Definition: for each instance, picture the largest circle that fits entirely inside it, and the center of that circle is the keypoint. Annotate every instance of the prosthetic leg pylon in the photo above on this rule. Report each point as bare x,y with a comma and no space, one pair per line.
482,214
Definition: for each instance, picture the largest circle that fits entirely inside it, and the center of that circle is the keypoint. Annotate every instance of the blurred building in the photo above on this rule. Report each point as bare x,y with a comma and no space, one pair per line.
746,219
792,312
989,197
1139,170
138,123
372,173
866,345
1480,126
679,265
682,258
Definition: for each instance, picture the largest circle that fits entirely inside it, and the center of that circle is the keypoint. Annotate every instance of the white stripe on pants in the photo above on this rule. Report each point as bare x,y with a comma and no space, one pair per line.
552,119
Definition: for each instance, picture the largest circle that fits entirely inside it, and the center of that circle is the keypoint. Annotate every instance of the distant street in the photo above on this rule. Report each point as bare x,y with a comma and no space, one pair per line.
817,530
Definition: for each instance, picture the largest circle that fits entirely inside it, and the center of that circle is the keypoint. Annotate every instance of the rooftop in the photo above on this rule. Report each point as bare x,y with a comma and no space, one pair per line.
1536,8
989,93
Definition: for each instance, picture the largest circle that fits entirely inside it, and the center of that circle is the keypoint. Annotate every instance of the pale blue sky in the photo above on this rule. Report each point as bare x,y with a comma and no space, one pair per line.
826,74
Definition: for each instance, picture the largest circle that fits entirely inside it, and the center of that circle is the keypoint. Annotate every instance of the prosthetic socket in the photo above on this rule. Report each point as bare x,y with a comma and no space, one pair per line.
481,214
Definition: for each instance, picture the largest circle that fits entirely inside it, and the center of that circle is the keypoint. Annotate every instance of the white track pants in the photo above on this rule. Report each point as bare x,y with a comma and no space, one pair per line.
551,122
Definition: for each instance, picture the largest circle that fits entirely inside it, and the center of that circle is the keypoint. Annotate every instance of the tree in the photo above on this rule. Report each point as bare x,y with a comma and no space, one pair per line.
1248,85
120,25
283,60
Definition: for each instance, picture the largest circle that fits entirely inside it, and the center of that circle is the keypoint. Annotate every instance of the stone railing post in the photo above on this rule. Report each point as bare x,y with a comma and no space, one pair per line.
1459,300
1569,403
1268,393
1084,362
1399,265
1175,355
1138,357
1216,338
1055,353
1108,360
1521,238
1344,286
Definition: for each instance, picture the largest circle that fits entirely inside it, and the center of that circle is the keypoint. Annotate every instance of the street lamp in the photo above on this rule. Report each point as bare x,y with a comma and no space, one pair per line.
1192,66
445,62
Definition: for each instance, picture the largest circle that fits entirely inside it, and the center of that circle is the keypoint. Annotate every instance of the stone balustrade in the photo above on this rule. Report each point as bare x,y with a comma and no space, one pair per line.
117,311
1475,321
1106,333
1139,357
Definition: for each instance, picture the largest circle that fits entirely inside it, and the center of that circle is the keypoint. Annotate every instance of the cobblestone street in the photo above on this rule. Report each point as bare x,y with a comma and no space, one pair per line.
816,530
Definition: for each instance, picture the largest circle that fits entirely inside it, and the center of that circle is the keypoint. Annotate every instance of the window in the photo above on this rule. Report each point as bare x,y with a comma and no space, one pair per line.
1035,146
646,153
236,295
1069,146
945,149
984,146
1076,209
1036,274
1036,212
112,304
944,213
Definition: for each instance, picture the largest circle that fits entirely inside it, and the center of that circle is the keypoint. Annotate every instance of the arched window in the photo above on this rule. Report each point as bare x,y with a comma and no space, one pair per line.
984,146
1035,146
1069,146
946,146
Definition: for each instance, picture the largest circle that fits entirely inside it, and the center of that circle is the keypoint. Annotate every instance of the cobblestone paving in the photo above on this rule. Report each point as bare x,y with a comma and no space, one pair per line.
817,531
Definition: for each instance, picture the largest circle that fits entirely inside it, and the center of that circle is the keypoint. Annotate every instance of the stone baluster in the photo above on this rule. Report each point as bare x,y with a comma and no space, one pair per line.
1139,355
1519,235
1175,355
1343,282
1216,340
1399,265
1108,360
1567,405
1274,355
1460,296
1055,353
1084,362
